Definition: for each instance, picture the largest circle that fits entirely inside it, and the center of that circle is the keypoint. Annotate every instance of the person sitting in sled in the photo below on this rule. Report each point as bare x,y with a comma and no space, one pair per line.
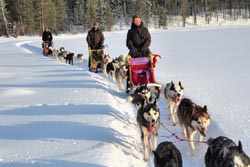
95,39
138,39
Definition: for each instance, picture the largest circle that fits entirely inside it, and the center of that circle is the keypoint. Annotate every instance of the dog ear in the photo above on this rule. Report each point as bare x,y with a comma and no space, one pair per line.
180,85
240,146
157,157
205,108
172,82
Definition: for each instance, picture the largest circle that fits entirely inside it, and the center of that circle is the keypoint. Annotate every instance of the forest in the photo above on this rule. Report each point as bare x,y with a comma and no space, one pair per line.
30,17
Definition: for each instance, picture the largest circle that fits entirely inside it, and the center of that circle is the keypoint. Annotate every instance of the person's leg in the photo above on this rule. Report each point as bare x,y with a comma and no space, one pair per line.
128,86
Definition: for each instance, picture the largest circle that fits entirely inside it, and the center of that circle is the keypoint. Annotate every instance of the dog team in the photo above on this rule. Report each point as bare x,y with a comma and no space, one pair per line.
192,118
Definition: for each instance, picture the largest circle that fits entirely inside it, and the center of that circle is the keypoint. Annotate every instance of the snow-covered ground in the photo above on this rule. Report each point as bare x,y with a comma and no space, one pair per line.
53,114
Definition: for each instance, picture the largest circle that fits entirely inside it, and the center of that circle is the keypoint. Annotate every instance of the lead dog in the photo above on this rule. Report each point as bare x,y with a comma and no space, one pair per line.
193,119
68,56
173,93
167,155
148,119
223,152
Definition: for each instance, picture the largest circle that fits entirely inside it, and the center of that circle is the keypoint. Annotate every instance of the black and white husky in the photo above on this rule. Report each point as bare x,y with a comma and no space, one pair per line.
141,96
112,65
148,119
167,155
145,94
223,152
173,93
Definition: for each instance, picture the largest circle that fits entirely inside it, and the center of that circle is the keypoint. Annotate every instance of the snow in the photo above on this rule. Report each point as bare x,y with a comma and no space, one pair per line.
54,114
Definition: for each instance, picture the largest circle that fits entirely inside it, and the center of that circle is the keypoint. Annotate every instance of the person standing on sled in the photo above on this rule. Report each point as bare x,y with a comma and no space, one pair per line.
47,38
138,39
138,42
95,39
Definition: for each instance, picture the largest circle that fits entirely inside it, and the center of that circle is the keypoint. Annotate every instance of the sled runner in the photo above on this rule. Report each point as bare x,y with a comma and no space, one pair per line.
95,60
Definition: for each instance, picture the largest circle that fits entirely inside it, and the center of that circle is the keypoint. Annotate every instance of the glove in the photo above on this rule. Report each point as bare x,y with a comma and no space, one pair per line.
133,52
101,47
144,52
143,49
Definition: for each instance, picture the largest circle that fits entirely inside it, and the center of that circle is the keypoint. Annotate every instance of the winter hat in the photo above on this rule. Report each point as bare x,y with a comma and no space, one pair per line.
136,16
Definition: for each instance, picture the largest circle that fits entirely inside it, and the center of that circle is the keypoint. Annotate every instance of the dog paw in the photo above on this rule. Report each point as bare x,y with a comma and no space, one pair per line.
174,124
145,159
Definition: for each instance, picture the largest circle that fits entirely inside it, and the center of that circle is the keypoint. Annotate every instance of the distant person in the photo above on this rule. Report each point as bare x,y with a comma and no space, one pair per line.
47,36
95,38
138,38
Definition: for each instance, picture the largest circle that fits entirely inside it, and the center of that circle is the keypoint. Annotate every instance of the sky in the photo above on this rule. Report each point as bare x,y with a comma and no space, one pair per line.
54,114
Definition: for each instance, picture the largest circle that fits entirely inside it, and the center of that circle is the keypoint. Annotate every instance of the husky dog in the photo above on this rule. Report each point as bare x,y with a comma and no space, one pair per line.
141,96
121,75
148,119
69,57
54,54
167,155
112,65
173,93
193,118
223,152
106,60
80,58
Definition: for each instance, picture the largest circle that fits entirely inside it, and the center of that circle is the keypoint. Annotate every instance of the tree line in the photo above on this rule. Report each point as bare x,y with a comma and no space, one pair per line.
30,17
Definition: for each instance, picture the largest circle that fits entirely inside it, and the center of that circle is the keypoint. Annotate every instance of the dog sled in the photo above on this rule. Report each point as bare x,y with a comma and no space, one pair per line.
47,48
96,58
141,72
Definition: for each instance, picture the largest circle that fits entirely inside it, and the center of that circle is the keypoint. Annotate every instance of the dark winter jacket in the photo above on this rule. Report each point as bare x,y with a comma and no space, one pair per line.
95,39
139,40
47,36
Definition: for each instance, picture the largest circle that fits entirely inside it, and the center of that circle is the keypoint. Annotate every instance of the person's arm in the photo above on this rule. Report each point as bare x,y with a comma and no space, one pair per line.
129,41
88,39
147,40
43,36
102,39
51,37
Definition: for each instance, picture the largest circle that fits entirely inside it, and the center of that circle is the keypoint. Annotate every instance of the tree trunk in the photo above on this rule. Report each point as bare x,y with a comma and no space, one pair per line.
42,19
4,18
195,12
125,11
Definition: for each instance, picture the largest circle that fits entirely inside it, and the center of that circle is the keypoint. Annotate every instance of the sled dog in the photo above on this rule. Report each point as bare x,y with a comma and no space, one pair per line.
223,152
112,65
121,76
80,58
106,60
167,155
141,96
148,119
69,57
173,93
193,118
